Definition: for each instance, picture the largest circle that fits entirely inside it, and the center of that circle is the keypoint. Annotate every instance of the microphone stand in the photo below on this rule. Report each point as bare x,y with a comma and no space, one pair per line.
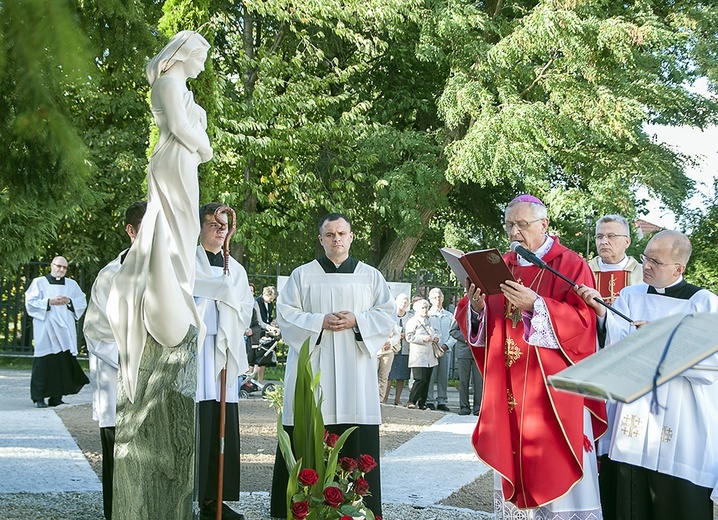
529,256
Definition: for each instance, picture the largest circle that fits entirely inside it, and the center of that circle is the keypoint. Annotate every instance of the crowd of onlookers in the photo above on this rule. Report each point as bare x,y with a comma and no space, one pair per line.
422,347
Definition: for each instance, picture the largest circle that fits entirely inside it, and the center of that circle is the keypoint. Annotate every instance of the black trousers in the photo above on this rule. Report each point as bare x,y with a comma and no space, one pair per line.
56,375
633,493
107,437
363,441
420,388
208,456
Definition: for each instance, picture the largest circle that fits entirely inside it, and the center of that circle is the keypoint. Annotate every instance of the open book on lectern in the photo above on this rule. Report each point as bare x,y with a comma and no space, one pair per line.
624,371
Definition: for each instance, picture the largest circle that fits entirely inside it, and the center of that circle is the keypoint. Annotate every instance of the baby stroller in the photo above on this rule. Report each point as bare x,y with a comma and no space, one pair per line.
267,350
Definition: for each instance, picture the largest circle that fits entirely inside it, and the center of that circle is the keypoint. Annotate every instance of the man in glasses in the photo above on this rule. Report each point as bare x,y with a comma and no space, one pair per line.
538,441
55,303
666,462
612,268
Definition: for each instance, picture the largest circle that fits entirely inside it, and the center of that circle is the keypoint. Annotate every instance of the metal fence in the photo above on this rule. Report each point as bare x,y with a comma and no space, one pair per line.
16,325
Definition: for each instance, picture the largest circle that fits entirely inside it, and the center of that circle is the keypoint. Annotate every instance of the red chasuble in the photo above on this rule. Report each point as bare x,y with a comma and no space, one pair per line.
531,434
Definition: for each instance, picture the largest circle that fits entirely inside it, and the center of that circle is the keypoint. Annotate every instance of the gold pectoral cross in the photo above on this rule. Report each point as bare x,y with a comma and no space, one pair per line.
513,313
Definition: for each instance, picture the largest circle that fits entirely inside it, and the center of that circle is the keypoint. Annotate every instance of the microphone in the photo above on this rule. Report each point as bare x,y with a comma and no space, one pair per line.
527,255
535,260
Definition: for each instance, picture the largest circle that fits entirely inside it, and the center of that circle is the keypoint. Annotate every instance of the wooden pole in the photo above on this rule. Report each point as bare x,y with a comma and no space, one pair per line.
232,225
222,426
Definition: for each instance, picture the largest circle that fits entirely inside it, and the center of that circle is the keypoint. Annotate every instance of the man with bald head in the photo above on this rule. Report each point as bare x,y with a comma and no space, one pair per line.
667,459
55,303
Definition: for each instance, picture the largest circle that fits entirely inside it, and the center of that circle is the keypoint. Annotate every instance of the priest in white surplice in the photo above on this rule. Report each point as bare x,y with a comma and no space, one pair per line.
667,459
225,303
103,355
345,309
55,303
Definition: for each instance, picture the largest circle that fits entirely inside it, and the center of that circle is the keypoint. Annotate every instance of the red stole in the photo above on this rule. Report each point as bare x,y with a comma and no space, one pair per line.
610,283
531,434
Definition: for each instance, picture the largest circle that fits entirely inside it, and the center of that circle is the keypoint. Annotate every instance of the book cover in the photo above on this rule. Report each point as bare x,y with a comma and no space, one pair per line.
485,268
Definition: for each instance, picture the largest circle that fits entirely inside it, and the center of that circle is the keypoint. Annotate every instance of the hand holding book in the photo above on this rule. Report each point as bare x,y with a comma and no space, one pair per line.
485,269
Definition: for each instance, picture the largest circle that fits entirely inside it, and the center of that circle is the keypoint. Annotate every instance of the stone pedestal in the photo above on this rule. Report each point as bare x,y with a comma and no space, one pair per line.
155,436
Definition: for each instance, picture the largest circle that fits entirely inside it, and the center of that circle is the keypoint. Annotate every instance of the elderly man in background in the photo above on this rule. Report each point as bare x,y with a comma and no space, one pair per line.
442,320
468,371
539,441
666,460
55,303
612,268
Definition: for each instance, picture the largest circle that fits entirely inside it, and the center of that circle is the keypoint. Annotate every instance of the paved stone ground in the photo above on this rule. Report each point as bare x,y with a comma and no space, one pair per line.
51,460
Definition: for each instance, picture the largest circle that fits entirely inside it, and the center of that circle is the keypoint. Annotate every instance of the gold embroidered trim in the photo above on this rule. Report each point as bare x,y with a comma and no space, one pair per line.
511,400
512,352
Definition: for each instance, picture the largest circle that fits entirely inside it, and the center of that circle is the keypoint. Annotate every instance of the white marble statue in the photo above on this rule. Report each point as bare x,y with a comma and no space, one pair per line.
152,292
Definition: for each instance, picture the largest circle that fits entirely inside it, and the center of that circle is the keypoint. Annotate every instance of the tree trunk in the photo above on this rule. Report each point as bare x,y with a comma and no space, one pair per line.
402,247
250,78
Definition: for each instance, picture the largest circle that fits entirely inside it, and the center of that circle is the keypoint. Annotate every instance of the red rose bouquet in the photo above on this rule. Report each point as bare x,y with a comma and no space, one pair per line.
321,486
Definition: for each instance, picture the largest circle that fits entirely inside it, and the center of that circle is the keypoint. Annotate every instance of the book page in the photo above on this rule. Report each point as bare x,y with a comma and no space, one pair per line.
624,371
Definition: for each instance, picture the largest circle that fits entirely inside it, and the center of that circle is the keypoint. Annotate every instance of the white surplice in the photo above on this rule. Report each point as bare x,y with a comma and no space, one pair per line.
225,302
53,326
102,347
681,439
348,367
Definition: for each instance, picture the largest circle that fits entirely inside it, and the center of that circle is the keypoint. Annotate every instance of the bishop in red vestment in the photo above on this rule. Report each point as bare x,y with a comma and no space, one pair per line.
539,440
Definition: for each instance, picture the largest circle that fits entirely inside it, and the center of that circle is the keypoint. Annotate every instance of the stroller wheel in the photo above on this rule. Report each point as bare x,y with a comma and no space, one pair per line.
243,394
269,387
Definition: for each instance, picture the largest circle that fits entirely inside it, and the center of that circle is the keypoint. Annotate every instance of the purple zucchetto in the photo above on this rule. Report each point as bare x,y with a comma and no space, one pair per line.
527,198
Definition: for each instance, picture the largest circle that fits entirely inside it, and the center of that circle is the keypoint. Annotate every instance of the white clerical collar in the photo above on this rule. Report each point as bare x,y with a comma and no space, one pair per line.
540,252
620,266
662,290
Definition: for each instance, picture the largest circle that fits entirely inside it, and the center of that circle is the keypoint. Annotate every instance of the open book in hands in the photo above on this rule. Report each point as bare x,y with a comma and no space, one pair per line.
486,268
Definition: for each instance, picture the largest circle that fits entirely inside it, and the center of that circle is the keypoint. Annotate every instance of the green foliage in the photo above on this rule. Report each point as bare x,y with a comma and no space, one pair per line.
417,118
551,98
703,224
45,165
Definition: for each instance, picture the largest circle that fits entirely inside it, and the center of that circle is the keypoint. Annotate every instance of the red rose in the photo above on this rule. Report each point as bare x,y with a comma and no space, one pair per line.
332,440
361,486
333,496
348,464
377,517
300,510
366,463
308,477
346,517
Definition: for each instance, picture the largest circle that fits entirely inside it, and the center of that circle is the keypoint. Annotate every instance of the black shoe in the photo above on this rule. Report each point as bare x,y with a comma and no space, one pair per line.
56,402
464,412
40,404
430,406
476,412
209,512
443,408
